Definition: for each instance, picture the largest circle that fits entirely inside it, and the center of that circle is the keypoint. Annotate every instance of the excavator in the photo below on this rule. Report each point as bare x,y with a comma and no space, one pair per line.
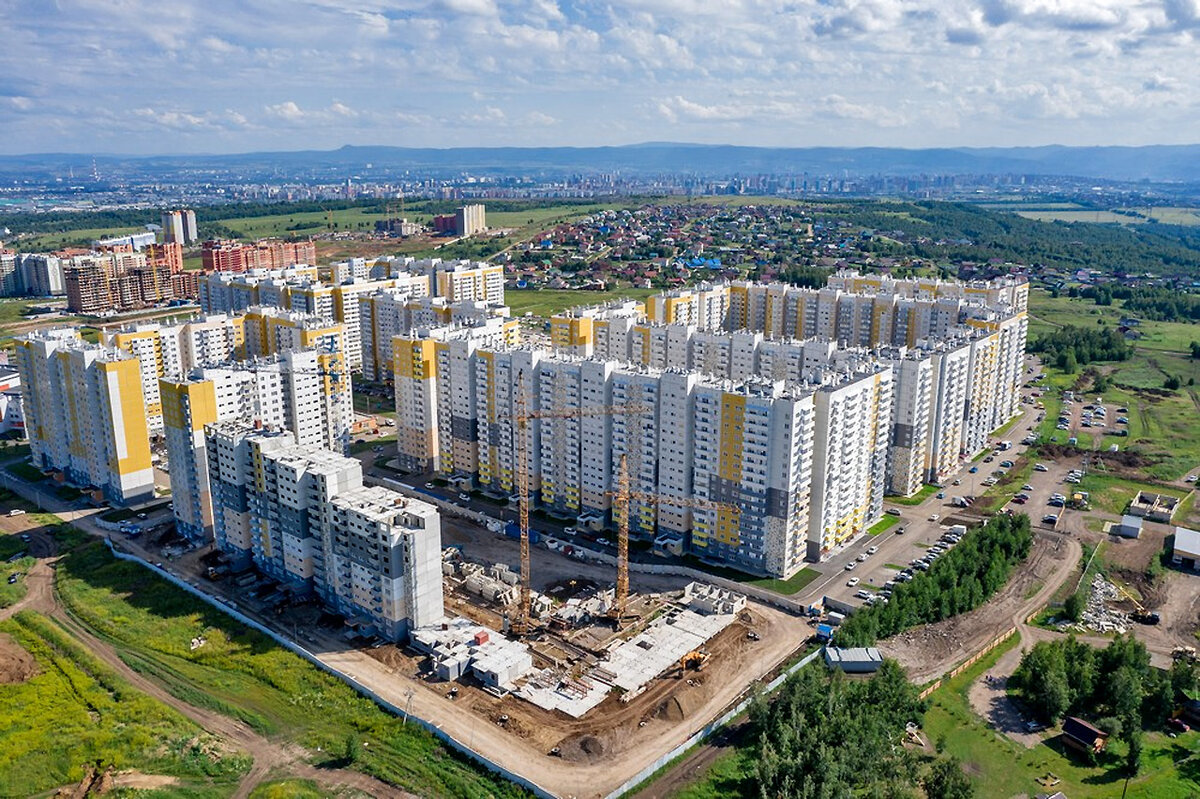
693,660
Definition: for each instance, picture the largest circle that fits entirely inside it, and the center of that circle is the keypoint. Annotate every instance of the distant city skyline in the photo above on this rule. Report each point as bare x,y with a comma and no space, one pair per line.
223,77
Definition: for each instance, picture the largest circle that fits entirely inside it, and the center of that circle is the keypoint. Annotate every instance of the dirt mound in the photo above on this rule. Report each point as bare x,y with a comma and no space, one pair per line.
679,707
582,748
16,665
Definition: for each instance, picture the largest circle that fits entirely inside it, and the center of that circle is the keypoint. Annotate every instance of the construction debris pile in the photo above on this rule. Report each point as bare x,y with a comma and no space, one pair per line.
1098,616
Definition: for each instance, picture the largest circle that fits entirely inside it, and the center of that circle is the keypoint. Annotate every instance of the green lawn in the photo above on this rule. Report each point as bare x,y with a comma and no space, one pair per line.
927,491
886,523
77,712
790,585
368,444
245,675
72,238
547,302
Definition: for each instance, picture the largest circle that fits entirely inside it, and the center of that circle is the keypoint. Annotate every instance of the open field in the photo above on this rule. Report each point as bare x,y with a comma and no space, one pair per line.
310,222
1164,426
1064,215
244,675
73,238
69,712
1002,768
548,302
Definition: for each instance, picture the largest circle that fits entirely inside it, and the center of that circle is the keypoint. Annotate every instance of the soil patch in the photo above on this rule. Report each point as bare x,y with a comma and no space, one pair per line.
16,665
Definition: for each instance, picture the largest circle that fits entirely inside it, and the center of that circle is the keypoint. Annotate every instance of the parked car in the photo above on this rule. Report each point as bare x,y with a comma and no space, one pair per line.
933,517
894,511
853,581
1179,725
569,530
850,566
1050,518
16,512
871,550
973,469
1041,467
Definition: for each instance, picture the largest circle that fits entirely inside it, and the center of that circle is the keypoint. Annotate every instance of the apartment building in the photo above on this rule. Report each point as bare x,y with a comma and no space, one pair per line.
232,292
233,256
912,404
433,372
470,219
463,280
179,226
390,312
947,433
302,516
172,350
750,464
85,414
850,454
296,391
270,330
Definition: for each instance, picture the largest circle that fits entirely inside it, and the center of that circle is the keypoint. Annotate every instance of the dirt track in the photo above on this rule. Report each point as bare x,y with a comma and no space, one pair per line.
268,755
928,652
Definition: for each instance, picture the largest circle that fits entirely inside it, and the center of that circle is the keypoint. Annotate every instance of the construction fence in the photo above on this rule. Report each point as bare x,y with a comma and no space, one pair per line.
295,648
969,662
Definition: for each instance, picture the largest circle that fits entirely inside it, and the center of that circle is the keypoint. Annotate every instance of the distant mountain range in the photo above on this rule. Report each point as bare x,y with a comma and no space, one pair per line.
1158,163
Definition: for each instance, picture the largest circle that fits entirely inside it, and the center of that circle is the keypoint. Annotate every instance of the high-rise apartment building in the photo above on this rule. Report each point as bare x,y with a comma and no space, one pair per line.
179,227
301,515
296,391
233,256
172,350
85,414
850,451
271,330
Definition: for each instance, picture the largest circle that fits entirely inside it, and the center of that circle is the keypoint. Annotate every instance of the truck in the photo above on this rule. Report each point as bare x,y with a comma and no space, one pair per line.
1005,445
824,632
513,530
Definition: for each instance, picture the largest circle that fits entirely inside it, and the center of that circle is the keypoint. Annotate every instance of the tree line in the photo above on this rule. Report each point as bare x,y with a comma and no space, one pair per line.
959,581
824,735
1116,687
1070,347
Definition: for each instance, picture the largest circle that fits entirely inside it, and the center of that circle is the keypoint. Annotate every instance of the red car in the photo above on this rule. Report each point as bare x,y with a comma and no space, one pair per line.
1179,725
1019,500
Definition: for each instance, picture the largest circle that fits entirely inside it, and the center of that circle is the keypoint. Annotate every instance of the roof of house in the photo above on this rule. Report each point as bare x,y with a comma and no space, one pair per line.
1187,540
1081,731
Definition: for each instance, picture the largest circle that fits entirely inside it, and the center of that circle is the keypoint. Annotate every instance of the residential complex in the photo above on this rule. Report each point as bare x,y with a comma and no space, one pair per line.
301,515
371,308
756,447
179,227
308,393
85,414
233,256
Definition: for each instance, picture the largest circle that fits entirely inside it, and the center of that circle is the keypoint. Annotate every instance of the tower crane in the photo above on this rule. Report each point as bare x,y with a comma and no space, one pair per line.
621,512
521,418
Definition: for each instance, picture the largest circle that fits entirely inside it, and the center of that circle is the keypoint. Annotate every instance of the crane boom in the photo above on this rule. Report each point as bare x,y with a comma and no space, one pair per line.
621,597
521,623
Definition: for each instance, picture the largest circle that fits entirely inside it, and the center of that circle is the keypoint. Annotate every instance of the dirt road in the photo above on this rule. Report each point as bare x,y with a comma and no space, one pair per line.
269,756
929,652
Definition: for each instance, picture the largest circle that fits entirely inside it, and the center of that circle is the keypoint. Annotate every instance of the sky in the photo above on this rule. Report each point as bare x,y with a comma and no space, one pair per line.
215,76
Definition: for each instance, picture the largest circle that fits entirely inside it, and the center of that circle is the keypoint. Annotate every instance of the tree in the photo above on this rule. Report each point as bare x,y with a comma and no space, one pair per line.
1172,383
1074,606
1133,758
1196,350
947,780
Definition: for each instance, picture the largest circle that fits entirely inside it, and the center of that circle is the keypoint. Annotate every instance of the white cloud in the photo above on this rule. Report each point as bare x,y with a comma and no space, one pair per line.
283,74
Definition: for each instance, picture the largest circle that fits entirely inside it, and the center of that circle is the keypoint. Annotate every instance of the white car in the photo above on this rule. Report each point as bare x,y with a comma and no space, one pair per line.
1041,467
933,517
850,566
872,550
862,556
853,581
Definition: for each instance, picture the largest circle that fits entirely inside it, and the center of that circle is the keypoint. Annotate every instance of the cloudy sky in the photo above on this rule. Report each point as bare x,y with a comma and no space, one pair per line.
236,75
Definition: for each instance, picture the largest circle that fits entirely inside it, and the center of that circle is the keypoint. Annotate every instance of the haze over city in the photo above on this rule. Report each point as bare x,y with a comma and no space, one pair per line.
220,76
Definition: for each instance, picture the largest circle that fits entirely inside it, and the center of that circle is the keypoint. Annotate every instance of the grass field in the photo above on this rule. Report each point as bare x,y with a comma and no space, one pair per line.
12,593
1000,768
309,223
72,238
287,789
76,713
1065,215
246,676
1164,426
547,302
1113,494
